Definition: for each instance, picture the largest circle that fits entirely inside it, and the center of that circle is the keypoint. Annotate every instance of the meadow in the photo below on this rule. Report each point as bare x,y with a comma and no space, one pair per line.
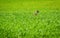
17,19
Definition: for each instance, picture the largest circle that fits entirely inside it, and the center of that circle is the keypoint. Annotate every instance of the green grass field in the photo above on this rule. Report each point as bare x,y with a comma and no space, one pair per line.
17,19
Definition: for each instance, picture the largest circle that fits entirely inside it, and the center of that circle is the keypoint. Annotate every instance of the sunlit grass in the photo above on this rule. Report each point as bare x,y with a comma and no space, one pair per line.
17,20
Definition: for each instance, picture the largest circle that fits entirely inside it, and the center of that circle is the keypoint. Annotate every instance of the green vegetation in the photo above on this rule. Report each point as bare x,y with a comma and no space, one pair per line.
17,19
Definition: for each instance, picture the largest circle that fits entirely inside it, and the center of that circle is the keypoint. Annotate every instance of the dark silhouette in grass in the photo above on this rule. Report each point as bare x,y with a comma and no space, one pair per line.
36,12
